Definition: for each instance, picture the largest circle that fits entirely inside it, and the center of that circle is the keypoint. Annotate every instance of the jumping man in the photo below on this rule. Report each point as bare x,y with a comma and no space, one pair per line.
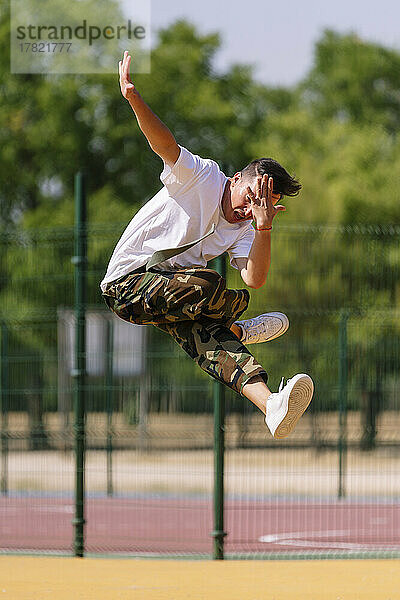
158,272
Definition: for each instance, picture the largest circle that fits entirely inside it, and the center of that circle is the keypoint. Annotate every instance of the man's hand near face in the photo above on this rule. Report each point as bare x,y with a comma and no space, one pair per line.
264,208
262,202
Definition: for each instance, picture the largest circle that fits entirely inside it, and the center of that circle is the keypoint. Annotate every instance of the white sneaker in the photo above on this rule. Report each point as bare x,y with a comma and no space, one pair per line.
263,328
285,407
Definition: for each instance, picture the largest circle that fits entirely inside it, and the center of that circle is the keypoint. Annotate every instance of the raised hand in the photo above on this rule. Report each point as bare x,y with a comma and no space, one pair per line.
127,87
263,202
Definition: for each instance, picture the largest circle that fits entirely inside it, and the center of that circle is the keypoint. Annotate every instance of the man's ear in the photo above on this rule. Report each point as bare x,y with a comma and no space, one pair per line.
236,178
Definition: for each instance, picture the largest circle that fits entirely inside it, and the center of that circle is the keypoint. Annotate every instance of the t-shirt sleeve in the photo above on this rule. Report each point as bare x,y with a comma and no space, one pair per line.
241,248
189,169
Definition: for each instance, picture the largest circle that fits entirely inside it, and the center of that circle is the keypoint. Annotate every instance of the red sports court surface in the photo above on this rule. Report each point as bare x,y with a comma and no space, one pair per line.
176,525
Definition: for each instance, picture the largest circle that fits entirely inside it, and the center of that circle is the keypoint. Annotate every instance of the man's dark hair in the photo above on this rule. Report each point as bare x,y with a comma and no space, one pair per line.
283,182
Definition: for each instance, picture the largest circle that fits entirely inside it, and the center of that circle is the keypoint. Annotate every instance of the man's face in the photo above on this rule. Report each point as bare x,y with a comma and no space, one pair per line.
239,209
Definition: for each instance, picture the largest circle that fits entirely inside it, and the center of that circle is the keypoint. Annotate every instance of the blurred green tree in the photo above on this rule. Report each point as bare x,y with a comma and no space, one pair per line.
354,80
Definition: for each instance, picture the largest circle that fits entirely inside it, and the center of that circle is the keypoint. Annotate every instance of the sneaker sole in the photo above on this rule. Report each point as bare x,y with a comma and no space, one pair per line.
284,327
299,399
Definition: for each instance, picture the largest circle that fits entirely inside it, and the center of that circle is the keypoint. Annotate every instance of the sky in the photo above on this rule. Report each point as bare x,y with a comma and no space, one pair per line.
278,37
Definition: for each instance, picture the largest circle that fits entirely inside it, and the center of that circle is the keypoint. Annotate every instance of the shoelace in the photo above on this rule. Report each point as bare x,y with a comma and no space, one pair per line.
282,384
255,328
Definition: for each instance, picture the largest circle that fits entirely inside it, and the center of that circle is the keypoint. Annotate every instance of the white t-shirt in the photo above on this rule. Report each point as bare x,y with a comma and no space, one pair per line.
184,210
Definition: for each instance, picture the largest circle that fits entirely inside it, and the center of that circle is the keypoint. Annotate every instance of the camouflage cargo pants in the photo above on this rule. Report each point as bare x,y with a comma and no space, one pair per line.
196,309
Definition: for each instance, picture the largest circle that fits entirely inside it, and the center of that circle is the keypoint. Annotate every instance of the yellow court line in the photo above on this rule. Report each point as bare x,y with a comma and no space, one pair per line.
47,578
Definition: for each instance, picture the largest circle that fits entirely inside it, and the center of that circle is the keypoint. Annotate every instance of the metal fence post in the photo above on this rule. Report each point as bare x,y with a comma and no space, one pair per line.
342,448
79,372
109,402
4,406
219,449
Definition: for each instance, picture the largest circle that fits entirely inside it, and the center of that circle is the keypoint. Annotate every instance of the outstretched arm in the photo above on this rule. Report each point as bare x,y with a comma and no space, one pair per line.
160,139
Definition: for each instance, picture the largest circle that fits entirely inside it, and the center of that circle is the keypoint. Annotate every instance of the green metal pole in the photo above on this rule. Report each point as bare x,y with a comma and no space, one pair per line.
4,407
109,403
343,361
79,372
219,448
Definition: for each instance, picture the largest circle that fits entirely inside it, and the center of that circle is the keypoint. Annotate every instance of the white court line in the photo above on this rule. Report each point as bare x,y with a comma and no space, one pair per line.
299,539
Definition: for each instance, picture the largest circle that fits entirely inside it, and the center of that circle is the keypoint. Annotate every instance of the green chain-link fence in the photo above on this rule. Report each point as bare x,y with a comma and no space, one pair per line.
331,488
